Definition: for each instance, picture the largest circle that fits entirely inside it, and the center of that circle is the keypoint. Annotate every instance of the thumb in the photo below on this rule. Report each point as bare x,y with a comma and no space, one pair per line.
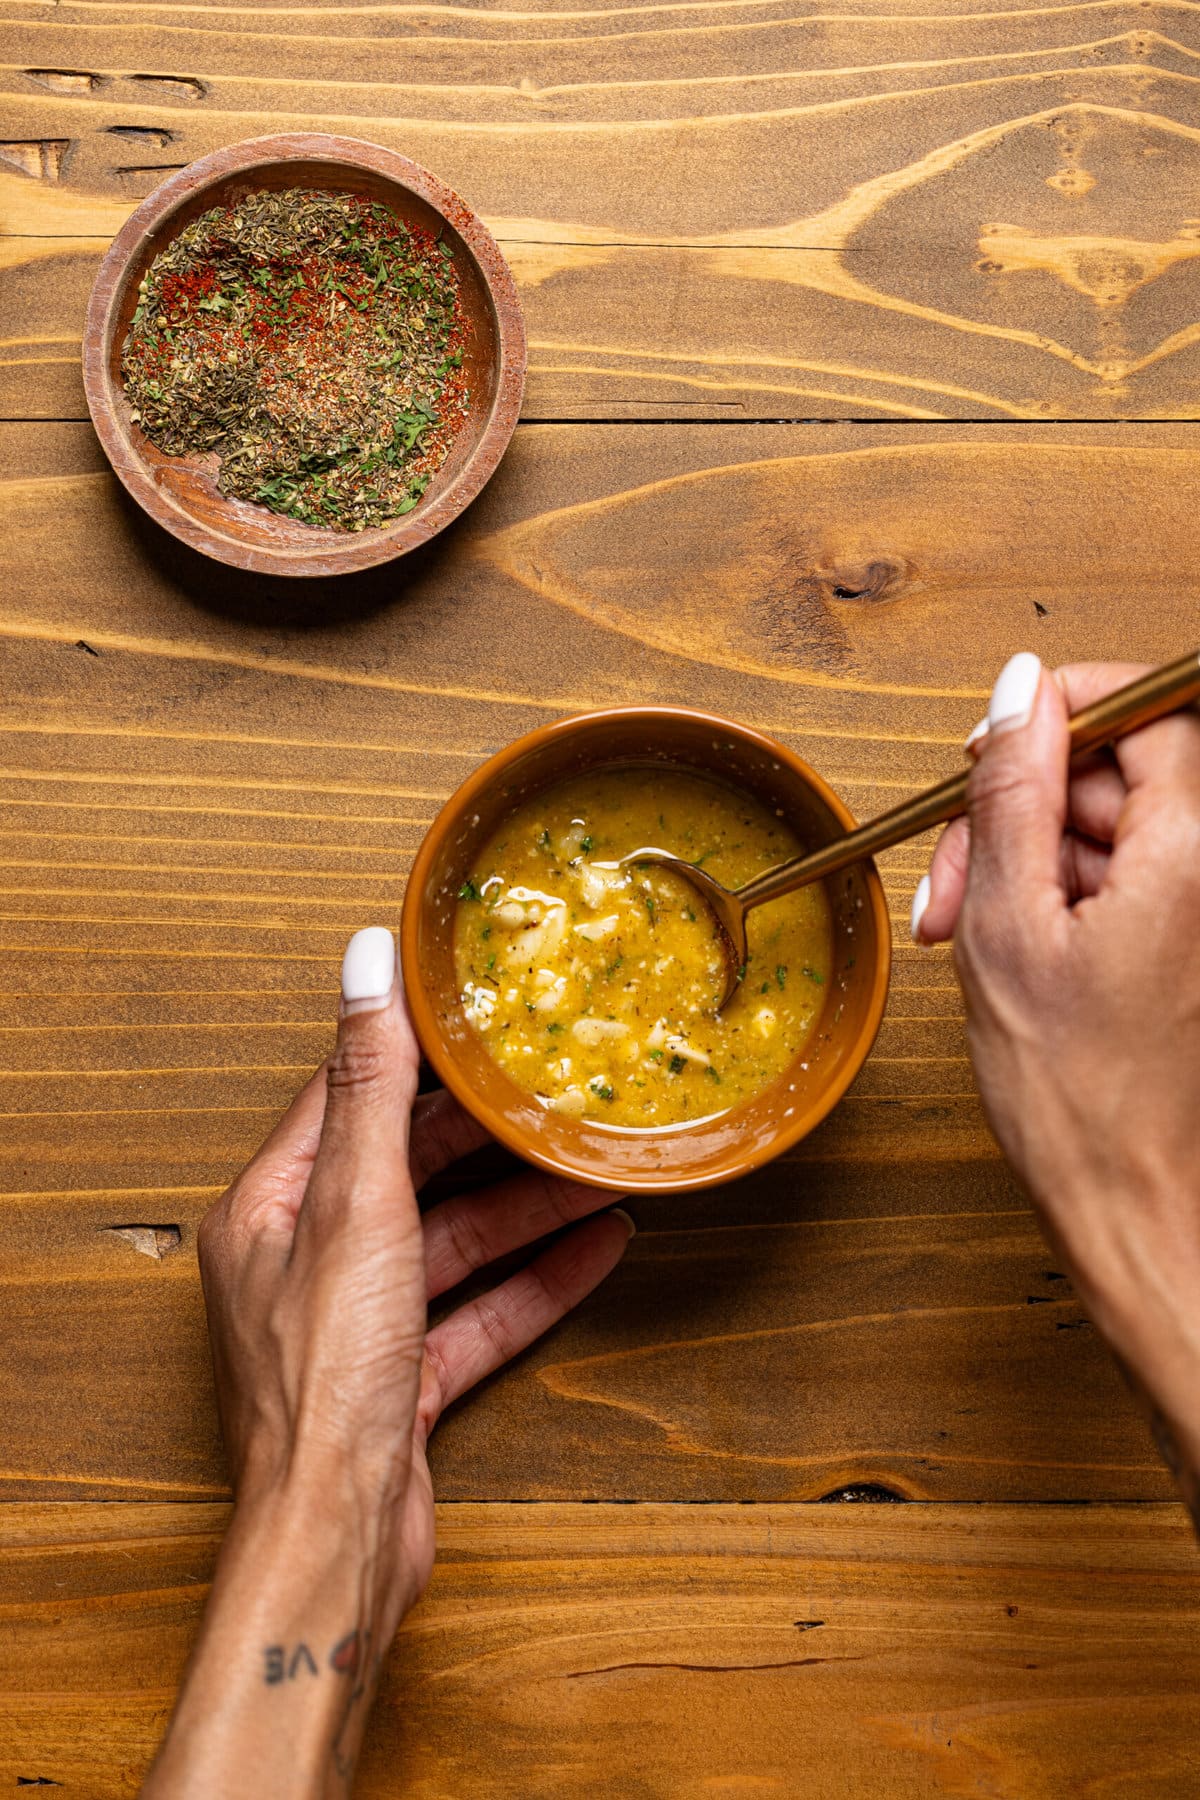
1017,795
371,1083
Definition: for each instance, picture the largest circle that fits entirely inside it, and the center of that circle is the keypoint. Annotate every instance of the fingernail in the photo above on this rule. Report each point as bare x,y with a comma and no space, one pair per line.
920,902
976,733
1015,691
369,969
620,1213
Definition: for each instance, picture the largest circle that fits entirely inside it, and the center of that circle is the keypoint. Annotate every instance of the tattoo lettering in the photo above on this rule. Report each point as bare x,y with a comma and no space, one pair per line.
344,1659
278,1666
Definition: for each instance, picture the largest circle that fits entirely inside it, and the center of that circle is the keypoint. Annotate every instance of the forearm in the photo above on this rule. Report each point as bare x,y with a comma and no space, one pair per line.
1155,1340
277,1692
1133,1252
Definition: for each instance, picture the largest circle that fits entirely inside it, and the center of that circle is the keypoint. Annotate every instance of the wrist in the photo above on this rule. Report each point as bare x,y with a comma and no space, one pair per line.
300,1616
1146,1307
1130,1239
316,1533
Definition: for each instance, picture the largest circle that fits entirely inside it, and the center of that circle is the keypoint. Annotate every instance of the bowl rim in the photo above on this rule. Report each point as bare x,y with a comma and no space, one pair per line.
422,1012
357,551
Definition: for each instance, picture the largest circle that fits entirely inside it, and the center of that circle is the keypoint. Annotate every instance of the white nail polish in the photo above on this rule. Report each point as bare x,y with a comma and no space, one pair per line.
920,902
369,968
1015,691
976,733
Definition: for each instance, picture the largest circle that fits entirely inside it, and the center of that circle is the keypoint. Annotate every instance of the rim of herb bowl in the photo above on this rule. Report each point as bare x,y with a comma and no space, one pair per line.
182,498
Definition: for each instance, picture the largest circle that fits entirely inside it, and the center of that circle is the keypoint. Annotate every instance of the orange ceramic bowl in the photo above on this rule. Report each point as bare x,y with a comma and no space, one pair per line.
670,1158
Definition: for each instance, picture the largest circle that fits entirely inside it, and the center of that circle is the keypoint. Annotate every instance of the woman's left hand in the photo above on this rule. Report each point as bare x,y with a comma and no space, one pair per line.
317,1270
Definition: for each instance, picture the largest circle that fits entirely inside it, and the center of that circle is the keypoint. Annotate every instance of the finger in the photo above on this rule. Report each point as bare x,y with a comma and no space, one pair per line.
1156,815
443,1132
1081,683
1095,796
1097,786
268,1192
1162,754
468,1233
485,1334
939,895
295,1138
371,1083
1097,789
1017,802
1164,758
1085,866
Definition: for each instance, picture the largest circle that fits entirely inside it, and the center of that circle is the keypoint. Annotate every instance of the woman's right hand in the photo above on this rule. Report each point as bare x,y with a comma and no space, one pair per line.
1073,900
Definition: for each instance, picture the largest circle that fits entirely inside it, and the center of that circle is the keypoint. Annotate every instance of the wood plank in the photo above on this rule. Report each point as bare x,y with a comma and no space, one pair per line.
562,1651
240,773
713,211
819,1326
209,782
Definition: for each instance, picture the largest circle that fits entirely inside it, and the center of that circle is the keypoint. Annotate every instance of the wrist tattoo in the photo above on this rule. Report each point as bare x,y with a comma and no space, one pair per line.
280,1665
348,1658
347,1653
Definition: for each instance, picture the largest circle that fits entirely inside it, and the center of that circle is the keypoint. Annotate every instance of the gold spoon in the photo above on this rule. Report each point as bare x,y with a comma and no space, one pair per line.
1151,697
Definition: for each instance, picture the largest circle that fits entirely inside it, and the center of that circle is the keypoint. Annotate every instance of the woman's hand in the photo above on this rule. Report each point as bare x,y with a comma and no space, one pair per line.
1074,905
317,1268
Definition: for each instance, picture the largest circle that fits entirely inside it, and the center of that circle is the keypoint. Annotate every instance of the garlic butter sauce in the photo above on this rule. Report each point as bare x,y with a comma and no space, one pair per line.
593,985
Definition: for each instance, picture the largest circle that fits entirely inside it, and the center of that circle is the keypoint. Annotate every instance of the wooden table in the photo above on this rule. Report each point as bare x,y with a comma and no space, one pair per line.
864,351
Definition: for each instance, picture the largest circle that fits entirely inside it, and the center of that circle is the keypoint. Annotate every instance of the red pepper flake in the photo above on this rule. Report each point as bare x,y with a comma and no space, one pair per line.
315,343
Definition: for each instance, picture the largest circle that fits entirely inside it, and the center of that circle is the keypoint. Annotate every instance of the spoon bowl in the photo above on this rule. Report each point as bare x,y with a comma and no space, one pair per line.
727,909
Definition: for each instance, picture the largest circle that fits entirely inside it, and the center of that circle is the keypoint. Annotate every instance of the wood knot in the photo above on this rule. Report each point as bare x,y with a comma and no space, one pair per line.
1072,182
870,1493
149,1240
883,578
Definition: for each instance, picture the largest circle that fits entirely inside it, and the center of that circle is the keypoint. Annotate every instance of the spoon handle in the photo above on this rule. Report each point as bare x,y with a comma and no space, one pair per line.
1150,697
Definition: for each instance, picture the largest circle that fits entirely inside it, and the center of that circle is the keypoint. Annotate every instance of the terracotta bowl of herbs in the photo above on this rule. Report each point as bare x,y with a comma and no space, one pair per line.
304,355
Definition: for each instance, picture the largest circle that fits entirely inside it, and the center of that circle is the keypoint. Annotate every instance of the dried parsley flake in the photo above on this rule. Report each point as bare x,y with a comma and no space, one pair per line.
313,343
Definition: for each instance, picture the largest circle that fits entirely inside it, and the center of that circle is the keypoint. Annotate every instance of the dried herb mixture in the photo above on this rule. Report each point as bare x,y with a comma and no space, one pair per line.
313,342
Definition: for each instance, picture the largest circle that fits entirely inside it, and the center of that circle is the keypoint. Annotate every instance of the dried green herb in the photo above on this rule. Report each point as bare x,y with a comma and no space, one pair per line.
311,342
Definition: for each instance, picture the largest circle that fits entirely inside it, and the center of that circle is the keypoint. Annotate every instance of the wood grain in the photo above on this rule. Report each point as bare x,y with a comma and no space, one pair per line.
667,1651
714,210
779,1345
210,782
